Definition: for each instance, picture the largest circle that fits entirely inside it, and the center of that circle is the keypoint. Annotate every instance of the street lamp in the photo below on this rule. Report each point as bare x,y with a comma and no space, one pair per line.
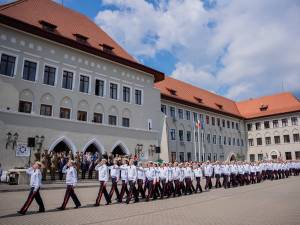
8,141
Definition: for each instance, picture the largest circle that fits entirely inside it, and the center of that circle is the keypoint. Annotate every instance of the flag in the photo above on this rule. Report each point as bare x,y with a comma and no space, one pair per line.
198,124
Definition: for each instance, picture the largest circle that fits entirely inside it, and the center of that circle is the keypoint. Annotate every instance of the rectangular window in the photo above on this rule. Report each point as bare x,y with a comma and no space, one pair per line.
275,124
213,122
126,94
218,122
138,97
180,113
228,124
67,80
189,156
242,142
113,90
173,157
112,120
233,141
46,110
172,112
7,66
180,133
172,134
188,136
232,125
286,138
237,126
207,120
98,118
257,126
188,115
284,122
99,88
288,156
84,84
125,122
195,116
259,157
268,140
250,141
277,139
82,116
220,139
49,75
214,139
181,156
249,126
297,155
223,123
65,113
229,140
238,142
225,141
294,121
267,124
252,157
29,70
296,138
163,108
25,107
208,138
259,141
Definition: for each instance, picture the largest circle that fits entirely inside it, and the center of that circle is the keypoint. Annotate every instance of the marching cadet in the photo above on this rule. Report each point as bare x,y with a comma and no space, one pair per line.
188,175
132,177
141,177
181,178
163,178
176,178
71,181
115,176
156,182
124,178
198,175
247,173
103,179
226,173
208,171
35,184
252,173
217,172
241,171
150,180
170,178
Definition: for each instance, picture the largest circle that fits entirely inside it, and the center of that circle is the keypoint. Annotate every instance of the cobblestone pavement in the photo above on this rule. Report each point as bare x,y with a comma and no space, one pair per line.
276,203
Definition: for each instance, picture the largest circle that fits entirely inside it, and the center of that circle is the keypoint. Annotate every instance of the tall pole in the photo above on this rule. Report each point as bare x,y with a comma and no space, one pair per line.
195,146
203,150
199,150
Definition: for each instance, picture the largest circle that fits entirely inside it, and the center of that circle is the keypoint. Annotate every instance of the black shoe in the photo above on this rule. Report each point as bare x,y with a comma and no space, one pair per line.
107,203
96,205
20,212
60,208
77,206
41,211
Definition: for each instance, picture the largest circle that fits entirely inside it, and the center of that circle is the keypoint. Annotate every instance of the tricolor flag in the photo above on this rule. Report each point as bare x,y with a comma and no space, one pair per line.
198,124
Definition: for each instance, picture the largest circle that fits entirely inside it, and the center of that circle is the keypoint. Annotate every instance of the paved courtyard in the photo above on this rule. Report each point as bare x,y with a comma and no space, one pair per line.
276,202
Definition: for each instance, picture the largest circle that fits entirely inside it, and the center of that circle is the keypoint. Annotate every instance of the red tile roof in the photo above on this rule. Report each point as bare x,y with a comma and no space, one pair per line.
269,105
184,93
196,97
28,14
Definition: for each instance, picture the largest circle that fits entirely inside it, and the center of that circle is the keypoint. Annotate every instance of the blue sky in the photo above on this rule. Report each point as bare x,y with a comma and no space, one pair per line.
238,49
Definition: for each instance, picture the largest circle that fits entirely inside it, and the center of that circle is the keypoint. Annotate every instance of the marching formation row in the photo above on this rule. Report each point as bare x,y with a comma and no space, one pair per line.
153,180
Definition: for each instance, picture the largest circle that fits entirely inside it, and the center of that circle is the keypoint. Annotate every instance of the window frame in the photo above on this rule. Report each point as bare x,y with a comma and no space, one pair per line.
89,86
104,86
36,71
46,105
118,91
56,74
142,96
16,63
63,117
31,108
130,93
73,80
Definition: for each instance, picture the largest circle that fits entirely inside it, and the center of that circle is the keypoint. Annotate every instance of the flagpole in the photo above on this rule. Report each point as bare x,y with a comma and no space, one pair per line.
203,150
199,150
195,146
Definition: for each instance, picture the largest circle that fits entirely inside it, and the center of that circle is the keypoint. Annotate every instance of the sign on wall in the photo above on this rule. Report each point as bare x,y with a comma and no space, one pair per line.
22,150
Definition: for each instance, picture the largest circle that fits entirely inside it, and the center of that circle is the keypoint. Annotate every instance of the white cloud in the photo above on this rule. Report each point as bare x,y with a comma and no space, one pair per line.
256,42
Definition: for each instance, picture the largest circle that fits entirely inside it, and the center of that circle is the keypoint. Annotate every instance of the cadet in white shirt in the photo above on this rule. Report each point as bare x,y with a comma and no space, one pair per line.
170,187
115,176
163,179
217,172
103,176
188,175
124,178
208,171
71,181
150,180
132,177
35,183
176,177
141,177
198,175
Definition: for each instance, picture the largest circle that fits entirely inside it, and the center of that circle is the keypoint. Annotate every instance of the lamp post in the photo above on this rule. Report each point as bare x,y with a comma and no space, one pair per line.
138,150
8,141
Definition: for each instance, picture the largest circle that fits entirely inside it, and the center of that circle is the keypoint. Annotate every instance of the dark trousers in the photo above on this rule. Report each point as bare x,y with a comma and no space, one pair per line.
208,184
252,178
60,174
177,188
132,191
170,188
163,190
188,185
70,192
102,190
246,178
83,172
150,186
198,185
33,195
226,184
123,190
140,189
114,188
218,182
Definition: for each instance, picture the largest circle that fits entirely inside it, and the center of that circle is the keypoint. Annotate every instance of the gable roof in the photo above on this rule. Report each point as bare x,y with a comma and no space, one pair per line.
196,97
27,15
269,105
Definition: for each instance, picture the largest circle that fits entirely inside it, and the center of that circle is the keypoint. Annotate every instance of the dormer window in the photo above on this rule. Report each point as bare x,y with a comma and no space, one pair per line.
219,106
107,48
80,38
48,26
263,107
172,91
199,100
